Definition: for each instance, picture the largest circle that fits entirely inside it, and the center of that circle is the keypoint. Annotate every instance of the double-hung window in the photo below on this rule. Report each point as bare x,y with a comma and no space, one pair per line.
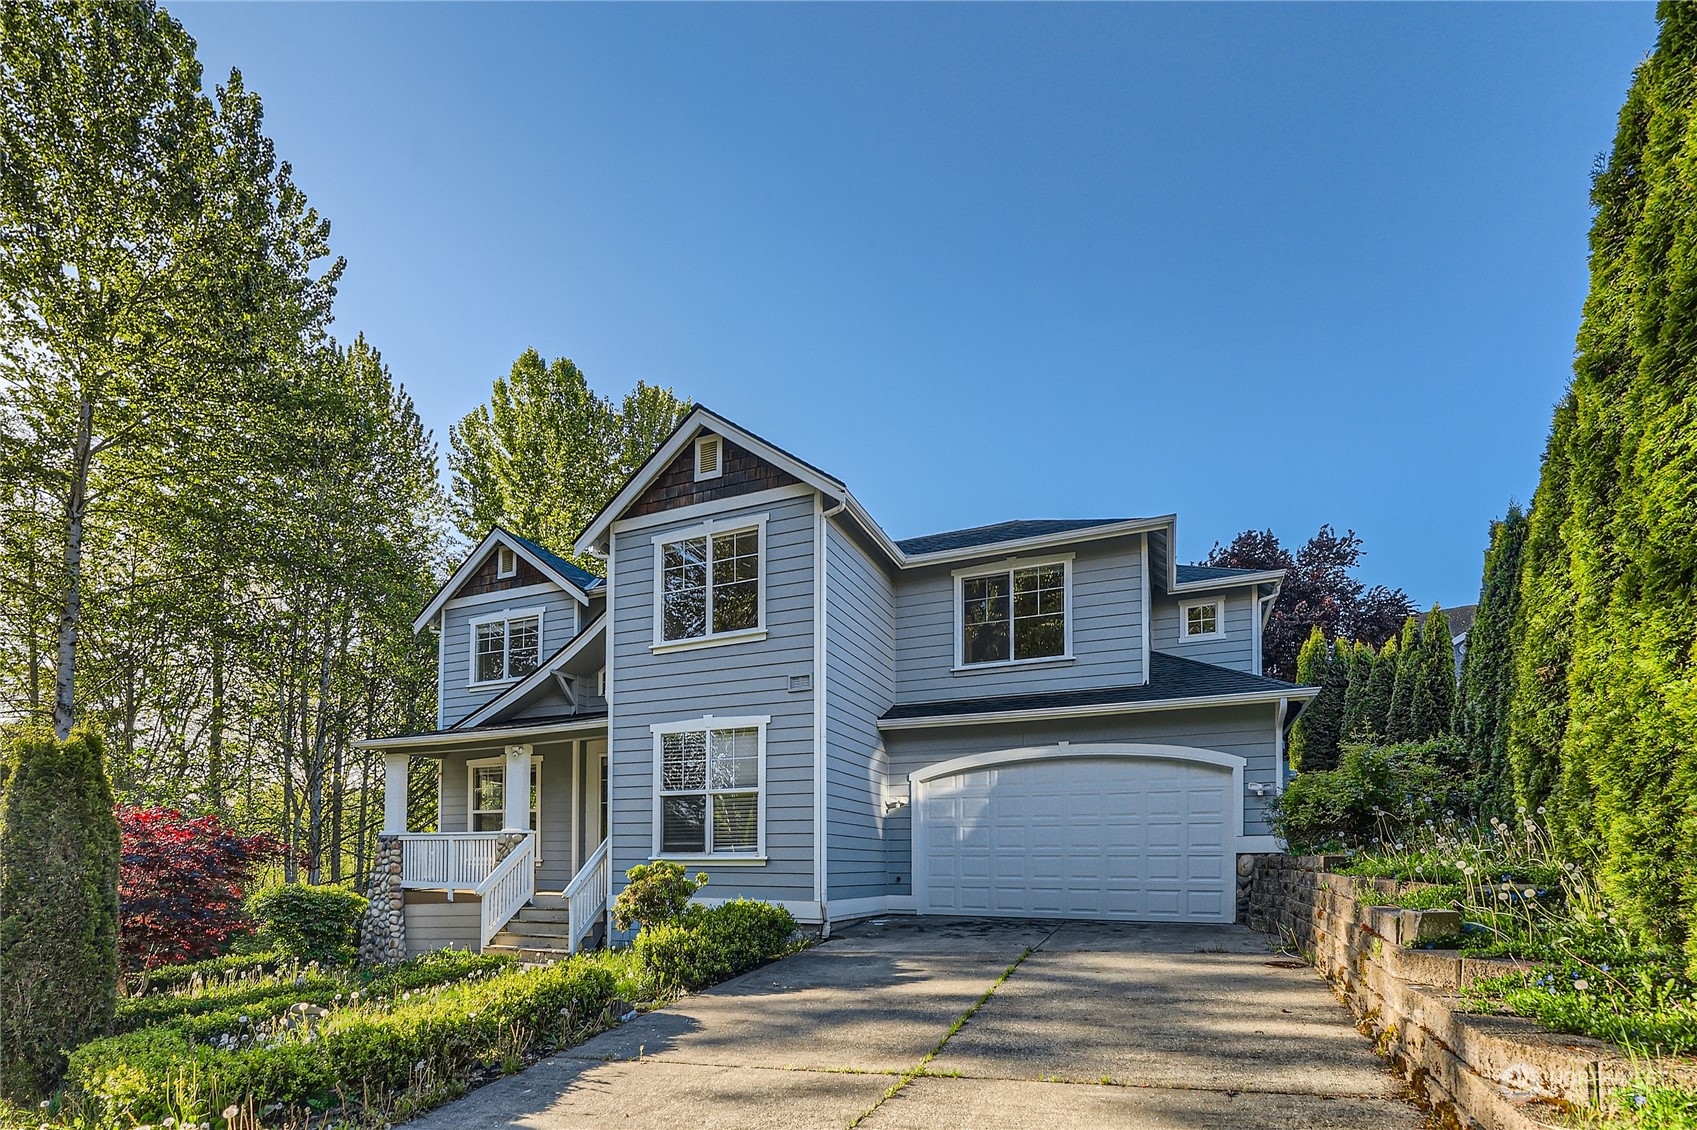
710,583
506,647
487,796
1015,613
709,779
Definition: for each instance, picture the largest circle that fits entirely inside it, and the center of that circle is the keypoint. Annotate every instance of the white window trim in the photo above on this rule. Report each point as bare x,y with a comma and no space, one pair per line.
707,530
1185,635
755,722
718,464
476,763
504,554
494,617
1065,560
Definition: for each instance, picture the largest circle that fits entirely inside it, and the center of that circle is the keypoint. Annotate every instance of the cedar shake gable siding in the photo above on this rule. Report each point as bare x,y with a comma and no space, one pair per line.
744,473
485,580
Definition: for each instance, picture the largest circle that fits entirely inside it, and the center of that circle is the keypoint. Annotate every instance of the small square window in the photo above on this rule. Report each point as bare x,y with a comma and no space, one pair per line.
1204,618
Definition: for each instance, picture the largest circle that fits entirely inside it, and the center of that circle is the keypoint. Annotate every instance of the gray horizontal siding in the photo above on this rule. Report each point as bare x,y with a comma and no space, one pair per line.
1236,650
744,678
555,818
433,923
859,682
1107,639
456,697
1247,731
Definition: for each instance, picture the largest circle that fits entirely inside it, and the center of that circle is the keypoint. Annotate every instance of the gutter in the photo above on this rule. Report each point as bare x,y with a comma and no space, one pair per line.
1096,710
426,742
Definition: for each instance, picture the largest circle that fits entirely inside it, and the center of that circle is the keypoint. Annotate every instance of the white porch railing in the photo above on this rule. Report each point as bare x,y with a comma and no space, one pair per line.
509,886
586,895
455,860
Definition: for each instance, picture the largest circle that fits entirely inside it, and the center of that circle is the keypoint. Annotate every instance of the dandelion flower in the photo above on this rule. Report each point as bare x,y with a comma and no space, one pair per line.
1581,984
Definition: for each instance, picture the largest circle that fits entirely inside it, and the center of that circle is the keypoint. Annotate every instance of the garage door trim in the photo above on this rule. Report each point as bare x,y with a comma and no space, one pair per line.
1128,751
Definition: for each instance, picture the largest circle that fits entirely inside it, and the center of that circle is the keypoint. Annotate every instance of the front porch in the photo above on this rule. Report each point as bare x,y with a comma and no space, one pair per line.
521,870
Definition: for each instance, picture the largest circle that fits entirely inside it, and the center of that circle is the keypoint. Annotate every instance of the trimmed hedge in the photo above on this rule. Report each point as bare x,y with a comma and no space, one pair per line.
245,1006
706,945
213,971
355,1053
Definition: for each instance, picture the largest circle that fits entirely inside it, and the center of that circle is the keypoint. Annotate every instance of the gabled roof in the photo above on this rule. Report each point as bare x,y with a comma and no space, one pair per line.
998,533
575,581
585,580
595,629
699,419
1173,682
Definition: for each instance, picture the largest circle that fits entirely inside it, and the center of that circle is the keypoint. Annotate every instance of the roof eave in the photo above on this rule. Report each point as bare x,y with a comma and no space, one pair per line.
594,536
425,743
936,721
1040,541
496,534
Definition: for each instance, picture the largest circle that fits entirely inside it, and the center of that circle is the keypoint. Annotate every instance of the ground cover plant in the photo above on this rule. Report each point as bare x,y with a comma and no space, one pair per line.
1596,975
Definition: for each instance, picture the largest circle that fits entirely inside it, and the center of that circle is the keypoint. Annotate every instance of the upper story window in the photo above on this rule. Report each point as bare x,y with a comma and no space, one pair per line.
1201,619
708,782
709,584
1015,613
506,563
506,646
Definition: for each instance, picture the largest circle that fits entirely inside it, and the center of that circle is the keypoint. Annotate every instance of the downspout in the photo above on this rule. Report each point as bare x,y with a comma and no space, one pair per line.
821,763
1279,748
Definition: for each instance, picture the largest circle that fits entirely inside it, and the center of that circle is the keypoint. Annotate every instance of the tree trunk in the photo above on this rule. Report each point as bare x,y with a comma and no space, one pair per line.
70,613
215,726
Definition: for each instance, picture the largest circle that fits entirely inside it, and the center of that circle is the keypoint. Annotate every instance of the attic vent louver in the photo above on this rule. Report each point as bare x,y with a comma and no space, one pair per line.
707,462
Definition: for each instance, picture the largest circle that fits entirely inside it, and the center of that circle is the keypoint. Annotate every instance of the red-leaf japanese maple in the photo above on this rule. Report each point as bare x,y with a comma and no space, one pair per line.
181,883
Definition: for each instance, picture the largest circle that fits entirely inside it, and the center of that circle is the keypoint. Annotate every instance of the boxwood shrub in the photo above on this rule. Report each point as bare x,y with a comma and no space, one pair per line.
310,923
364,1053
705,945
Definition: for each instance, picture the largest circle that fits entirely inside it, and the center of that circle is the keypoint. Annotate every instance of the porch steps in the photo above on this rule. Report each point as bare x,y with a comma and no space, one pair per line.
539,932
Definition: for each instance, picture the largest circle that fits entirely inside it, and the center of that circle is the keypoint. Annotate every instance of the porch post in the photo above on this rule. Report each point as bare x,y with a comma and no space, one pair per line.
394,794
517,818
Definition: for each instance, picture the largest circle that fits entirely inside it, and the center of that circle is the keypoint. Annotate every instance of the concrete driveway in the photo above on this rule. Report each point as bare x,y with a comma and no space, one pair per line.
1156,1027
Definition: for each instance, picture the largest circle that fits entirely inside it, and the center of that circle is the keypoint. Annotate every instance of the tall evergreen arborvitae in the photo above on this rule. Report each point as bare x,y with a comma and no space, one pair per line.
1432,705
1399,720
1359,696
1604,719
1487,666
1381,684
58,907
1314,735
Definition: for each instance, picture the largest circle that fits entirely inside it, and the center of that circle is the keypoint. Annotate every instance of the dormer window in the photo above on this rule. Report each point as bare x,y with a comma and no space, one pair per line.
709,461
505,646
506,563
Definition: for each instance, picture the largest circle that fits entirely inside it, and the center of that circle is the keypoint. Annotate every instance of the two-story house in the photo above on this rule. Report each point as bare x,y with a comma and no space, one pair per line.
1045,719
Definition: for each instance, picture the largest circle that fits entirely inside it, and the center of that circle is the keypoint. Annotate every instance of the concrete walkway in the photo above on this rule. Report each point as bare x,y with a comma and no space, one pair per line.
1154,1027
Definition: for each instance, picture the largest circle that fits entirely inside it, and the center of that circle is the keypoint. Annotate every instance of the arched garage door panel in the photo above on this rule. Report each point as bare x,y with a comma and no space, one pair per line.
1128,838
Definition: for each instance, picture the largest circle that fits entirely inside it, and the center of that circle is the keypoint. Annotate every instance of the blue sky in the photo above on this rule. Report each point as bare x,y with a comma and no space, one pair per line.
1264,266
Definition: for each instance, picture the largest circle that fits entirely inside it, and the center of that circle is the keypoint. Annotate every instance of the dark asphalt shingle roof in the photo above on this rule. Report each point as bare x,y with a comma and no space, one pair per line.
1000,532
1171,677
581,578
1189,573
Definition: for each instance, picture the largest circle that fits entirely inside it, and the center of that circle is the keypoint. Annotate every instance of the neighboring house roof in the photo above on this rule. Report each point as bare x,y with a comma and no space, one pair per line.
998,533
574,580
1173,679
1460,618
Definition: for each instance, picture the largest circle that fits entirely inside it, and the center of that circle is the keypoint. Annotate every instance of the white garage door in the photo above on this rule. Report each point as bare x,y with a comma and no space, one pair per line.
1082,837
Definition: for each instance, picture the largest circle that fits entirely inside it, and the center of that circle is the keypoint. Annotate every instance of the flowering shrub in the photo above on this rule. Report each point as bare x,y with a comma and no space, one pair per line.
656,893
181,881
